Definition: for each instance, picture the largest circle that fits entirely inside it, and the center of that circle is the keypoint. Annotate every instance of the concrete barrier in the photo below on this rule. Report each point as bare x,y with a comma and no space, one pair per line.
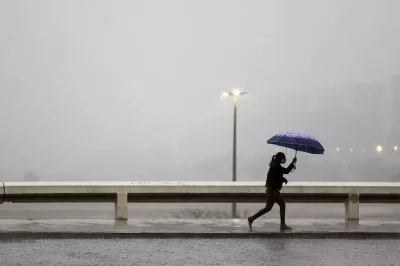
2,192
121,193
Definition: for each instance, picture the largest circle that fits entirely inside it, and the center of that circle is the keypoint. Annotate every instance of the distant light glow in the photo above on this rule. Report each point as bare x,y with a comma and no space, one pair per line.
351,149
224,94
379,148
236,92
396,148
338,149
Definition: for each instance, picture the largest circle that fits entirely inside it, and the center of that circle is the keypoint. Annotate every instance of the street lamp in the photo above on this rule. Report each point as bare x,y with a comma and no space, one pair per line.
235,94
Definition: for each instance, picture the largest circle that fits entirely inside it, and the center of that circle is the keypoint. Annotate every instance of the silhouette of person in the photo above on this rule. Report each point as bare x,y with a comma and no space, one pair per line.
273,186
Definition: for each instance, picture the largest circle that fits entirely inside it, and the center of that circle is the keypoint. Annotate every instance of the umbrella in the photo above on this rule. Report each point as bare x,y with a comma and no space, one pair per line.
297,141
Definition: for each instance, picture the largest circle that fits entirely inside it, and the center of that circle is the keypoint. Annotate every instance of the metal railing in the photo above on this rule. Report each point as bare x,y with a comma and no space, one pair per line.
122,193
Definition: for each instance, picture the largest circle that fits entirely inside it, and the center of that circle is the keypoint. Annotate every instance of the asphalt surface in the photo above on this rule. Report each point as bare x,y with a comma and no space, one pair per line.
176,252
190,220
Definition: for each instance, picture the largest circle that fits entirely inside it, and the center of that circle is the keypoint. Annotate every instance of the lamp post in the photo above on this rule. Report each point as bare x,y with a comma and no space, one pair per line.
235,94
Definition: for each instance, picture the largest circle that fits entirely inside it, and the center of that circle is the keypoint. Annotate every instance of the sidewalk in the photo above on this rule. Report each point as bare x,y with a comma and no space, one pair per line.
194,228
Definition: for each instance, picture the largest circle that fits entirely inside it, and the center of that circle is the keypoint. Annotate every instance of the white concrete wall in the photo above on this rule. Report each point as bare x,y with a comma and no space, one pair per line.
121,206
1,192
352,207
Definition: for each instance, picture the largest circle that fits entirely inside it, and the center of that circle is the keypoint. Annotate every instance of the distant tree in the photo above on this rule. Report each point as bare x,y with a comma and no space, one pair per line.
31,176
395,178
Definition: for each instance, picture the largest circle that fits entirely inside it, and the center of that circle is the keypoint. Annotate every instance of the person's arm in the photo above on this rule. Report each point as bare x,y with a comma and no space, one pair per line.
288,169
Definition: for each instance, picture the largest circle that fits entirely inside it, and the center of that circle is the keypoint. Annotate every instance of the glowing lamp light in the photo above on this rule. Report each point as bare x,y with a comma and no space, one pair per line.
236,92
379,148
224,94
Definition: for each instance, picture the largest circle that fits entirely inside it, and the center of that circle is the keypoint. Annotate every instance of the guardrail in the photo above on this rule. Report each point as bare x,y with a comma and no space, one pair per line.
122,193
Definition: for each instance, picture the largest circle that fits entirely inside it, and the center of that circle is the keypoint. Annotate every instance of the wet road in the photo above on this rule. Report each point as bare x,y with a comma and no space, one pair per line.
194,228
201,252
196,251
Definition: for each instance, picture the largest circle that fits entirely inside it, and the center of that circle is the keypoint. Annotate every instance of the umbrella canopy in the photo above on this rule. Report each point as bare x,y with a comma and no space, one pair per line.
297,141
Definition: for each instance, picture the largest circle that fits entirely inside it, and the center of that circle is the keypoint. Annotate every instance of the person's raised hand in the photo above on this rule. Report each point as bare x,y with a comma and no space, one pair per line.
294,160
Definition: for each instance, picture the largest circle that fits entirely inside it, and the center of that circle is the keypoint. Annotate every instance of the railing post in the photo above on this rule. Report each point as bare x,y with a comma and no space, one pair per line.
121,206
352,207
2,192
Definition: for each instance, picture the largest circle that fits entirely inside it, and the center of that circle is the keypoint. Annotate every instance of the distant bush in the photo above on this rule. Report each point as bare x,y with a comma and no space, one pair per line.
205,213
395,178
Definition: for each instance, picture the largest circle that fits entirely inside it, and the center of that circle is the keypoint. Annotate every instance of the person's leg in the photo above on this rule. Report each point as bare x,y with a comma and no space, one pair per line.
282,206
263,211
270,203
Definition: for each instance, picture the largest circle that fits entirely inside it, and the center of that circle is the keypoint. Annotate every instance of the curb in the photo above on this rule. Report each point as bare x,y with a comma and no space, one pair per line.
25,235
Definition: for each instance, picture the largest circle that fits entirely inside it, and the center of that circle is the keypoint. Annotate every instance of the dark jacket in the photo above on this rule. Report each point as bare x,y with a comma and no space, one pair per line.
275,175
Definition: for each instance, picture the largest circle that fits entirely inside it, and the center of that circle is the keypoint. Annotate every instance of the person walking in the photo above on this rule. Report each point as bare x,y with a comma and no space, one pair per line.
273,186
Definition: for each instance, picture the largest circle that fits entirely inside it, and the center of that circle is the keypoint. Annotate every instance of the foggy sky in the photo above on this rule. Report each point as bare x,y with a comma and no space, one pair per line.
126,90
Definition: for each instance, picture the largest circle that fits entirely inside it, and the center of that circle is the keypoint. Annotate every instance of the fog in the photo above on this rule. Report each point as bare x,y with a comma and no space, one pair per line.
130,90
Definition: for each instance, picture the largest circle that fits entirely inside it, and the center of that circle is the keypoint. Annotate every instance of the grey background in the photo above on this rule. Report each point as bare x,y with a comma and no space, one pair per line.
129,90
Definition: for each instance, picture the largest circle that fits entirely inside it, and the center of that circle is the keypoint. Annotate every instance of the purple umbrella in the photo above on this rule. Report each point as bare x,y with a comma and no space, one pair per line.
297,141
